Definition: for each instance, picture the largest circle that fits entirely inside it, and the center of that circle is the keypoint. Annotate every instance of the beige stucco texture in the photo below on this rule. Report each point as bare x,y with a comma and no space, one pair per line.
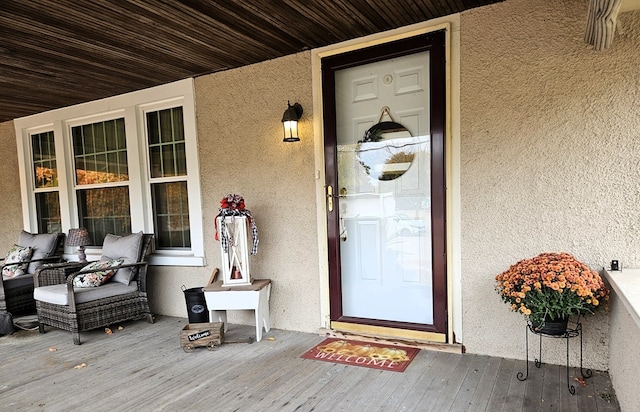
550,148
9,185
241,151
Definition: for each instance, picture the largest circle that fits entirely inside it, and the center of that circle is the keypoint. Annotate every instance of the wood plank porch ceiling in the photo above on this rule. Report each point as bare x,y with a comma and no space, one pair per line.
56,53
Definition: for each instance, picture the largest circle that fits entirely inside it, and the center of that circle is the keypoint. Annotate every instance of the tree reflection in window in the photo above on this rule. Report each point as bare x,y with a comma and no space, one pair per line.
168,172
105,210
100,152
45,173
100,157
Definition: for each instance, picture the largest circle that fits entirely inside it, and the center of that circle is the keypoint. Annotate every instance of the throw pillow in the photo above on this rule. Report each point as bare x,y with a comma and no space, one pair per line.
43,245
125,247
94,279
17,253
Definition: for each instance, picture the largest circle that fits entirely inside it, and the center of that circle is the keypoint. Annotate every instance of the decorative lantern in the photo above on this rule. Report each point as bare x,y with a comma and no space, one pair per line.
232,225
235,257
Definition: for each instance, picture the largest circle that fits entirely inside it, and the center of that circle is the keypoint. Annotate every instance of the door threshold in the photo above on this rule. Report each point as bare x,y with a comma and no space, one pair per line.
414,339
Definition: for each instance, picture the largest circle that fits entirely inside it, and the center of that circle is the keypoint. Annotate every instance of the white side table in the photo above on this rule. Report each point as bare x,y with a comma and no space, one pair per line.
253,297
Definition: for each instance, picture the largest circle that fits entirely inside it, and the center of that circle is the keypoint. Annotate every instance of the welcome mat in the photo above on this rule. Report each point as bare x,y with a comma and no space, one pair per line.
367,354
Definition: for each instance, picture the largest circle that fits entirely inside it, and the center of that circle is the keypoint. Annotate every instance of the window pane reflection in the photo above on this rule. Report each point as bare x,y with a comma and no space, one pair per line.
166,143
171,215
45,170
103,211
48,212
100,152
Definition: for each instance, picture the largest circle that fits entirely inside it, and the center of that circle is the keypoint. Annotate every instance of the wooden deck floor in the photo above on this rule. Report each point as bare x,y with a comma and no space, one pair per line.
143,368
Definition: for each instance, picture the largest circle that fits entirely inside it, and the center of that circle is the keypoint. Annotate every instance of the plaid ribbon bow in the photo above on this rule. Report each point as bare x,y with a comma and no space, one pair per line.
229,241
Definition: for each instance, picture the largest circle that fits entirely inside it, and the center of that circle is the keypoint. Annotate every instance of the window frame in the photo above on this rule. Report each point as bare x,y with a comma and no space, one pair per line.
133,107
30,164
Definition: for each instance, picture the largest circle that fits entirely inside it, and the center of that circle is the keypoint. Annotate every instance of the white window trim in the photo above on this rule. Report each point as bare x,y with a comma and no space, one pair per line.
133,107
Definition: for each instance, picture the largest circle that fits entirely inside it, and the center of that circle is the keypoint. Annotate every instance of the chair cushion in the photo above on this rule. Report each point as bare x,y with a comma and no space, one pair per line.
17,253
57,294
125,247
43,245
94,279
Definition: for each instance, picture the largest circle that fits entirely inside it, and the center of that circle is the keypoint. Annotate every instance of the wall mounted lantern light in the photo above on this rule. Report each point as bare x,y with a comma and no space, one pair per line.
79,237
290,122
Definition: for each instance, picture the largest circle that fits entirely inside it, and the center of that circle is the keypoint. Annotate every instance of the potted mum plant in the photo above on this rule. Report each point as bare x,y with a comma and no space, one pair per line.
551,287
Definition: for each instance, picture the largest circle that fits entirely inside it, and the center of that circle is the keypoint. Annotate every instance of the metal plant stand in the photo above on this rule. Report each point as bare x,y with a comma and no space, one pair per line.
574,331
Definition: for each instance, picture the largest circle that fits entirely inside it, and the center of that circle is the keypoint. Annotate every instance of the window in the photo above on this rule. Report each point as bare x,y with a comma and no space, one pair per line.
118,165
45,175
102,178
168,171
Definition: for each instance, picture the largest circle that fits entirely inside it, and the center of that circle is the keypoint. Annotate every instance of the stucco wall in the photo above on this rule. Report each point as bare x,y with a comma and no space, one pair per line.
550,147
241,151
11,217
624,355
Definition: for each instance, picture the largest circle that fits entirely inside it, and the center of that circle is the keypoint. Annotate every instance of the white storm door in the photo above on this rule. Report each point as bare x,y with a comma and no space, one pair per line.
385,224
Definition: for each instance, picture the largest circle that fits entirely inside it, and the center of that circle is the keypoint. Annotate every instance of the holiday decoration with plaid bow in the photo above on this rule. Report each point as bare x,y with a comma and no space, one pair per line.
233,205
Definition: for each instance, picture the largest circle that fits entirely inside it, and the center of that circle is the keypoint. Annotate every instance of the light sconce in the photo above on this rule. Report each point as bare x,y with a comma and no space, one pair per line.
80,238
290,122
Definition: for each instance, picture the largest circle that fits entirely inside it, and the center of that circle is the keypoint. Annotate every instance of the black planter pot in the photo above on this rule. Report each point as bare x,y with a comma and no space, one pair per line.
553,327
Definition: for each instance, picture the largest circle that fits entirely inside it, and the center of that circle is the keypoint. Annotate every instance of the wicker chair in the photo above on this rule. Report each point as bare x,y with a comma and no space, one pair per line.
76,312
16,293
